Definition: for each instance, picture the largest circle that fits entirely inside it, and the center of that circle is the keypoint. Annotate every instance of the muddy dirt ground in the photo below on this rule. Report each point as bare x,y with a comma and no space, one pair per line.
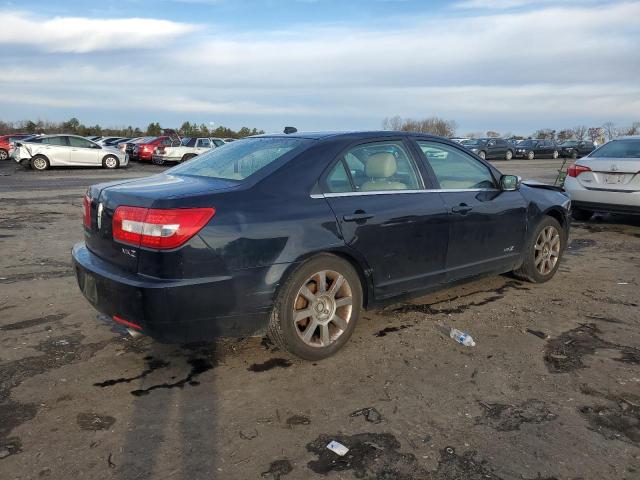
78,400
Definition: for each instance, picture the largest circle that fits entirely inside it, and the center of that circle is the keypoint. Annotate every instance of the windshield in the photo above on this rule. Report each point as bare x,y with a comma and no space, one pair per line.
618,149
238,160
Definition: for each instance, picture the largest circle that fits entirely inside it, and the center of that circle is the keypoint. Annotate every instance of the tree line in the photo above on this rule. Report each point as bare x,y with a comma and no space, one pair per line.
74,126
447,128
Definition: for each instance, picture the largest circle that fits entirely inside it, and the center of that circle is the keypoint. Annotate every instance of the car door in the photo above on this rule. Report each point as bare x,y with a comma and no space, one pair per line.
486,225
203,145
84,152
56,149
385,214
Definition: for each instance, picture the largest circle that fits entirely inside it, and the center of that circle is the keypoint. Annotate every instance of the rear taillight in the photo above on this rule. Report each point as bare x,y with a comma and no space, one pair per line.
575,170
156,228
147,148
86,205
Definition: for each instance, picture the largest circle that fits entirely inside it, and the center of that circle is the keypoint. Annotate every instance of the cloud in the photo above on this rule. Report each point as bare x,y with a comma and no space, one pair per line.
552,66
84,35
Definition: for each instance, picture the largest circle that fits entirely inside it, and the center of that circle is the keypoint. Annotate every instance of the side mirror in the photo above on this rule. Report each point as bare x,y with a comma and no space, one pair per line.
509,183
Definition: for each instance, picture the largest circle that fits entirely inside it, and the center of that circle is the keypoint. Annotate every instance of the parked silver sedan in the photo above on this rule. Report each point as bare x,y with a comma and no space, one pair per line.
606,180
46,151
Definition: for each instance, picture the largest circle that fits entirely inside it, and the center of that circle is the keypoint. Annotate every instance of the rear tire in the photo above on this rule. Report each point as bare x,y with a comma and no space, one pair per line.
314,321
110,162
482,154
3,154
531,155
543,252
581,214
40,163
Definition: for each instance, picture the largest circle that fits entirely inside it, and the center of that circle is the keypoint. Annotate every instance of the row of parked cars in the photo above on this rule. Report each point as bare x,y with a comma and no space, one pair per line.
43,151
500,148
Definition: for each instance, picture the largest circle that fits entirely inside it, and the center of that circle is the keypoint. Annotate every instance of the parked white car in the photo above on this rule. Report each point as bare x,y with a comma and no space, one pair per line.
606,180
188,148
46,151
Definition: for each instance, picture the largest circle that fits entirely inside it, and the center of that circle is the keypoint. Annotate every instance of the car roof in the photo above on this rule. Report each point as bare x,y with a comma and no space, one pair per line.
354,135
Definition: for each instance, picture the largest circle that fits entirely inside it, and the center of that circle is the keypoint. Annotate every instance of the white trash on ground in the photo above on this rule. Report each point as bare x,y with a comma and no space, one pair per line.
462,337
337,448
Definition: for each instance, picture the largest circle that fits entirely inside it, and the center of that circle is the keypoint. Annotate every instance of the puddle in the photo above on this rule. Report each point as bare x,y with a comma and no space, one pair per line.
270,364
198,366
298,420
385,331
32,322
507,418
94,422
153,364
580,244
432,308
370,456
278,469
565,353
618,420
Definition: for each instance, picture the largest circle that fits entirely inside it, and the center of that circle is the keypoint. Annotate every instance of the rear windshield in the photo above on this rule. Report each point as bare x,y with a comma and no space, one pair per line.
238,160
618,149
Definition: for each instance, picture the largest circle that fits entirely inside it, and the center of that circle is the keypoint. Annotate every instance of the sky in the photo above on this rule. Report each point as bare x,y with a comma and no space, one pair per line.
504,65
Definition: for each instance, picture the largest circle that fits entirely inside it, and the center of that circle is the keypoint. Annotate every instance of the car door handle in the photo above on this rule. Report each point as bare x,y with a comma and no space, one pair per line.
463,208
358,216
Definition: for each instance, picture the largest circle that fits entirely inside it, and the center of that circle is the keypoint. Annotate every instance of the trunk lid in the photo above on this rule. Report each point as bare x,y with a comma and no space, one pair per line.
158,191
615,174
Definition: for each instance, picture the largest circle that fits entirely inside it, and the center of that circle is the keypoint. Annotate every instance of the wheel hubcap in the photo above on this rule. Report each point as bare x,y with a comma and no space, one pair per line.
323,308
547,250
110,162
3,155
39,163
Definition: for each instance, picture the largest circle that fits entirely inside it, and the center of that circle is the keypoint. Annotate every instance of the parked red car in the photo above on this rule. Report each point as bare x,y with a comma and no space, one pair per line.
144,151
6,143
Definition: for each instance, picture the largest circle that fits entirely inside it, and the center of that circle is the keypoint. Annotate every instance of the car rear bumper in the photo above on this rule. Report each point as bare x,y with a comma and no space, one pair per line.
601,200
173,311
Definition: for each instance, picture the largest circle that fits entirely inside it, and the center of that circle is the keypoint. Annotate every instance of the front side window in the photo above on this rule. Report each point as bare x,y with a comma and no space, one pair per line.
455,169
203,143
238,160
618,149
77,142
218,143
382,166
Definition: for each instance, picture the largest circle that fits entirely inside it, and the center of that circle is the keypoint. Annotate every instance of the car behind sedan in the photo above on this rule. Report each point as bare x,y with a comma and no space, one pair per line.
293,235
606,180
46,151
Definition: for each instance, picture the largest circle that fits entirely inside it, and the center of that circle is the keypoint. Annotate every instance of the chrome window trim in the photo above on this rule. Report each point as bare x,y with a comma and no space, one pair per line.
392,192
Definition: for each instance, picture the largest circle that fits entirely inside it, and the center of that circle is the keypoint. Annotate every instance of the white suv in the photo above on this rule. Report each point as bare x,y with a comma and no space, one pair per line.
66,151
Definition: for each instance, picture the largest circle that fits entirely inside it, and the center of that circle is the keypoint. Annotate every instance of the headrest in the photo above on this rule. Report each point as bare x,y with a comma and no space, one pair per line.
381,165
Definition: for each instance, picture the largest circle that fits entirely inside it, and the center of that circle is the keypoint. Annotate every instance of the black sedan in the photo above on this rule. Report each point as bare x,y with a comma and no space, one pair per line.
490,148
531,149
575,148
293,235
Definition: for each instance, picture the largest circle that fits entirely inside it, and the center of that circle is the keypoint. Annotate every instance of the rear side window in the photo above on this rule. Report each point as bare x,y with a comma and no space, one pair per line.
238,160
80,142
381,166
338,180
62,141
203,143
455,169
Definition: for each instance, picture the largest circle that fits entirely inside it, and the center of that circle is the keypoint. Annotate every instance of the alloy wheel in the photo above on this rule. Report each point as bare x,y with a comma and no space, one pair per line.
323,308
509,155
39,163
3,155
111,162
547,250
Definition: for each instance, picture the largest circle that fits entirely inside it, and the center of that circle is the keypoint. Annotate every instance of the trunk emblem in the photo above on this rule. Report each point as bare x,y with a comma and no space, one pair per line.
100,209
614,168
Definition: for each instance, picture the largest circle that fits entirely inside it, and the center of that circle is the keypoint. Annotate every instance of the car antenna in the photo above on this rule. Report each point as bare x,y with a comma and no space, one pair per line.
290,130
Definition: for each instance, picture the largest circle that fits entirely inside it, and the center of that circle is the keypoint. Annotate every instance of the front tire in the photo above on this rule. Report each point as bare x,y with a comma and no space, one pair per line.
508,155
531,155
555,154
543,251
3,154
317,308
187,157
581,214
574,154
40,163
110,162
